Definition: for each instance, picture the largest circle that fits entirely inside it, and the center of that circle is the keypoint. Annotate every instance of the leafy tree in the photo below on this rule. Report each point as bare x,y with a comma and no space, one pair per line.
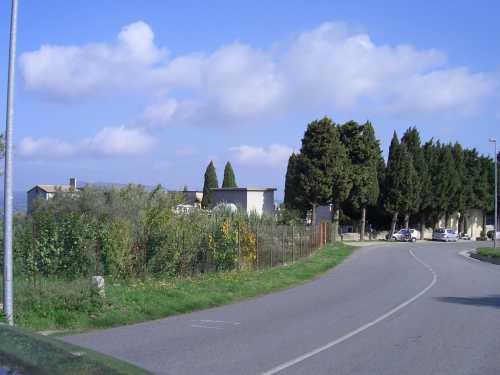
209,183
365,155
229,178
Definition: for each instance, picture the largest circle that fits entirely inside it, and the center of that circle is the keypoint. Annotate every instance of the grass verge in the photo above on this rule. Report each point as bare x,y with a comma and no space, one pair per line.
71,306
489,252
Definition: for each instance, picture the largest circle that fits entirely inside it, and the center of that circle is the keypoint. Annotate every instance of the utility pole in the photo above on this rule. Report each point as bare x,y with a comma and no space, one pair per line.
7,220
494,141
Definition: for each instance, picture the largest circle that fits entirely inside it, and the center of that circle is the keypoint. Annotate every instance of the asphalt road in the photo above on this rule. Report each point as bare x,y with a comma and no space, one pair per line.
400,309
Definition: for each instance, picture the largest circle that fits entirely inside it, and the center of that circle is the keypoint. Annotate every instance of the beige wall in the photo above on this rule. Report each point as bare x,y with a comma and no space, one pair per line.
255,202
473,221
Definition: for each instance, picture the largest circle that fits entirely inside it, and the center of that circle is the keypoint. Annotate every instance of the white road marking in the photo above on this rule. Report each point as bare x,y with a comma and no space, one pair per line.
360,329
200,326
217,321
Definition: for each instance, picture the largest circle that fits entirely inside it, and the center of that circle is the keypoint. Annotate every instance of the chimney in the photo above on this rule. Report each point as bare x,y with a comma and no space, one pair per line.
72,183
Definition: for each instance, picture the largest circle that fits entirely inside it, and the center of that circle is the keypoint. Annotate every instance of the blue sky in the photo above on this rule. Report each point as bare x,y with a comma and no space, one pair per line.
150,91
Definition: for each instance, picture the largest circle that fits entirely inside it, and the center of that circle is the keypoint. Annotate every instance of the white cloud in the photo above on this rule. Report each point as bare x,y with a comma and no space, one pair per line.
73,72
110,141
275,155
35,147
328,68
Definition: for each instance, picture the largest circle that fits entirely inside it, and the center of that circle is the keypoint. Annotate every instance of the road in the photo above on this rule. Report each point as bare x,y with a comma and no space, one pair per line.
401,309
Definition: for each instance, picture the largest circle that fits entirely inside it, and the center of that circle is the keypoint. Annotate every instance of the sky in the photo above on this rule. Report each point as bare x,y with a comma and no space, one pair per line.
150,91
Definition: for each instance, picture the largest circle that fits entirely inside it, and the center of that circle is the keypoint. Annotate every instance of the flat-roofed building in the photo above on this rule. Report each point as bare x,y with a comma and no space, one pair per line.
257,200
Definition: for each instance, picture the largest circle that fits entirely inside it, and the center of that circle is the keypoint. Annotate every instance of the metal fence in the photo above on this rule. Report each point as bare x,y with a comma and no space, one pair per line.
284,244
257,246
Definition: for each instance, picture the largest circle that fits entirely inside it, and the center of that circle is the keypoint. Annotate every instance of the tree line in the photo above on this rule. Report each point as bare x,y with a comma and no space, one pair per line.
343,165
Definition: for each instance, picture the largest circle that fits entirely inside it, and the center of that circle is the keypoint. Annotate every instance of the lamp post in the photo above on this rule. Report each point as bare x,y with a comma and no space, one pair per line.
7,219
494,141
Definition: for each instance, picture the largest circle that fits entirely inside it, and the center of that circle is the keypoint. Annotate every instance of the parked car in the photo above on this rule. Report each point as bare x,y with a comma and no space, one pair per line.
490,234
464,236
445,234
406,235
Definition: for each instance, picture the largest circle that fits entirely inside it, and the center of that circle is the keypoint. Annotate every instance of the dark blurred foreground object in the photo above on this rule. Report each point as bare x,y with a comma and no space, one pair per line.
24,353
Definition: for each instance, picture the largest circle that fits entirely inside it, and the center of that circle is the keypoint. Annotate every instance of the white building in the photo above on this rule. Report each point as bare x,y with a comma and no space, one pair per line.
257,200
47,192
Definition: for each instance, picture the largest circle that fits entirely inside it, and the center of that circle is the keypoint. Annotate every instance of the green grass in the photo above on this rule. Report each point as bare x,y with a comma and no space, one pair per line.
63,305
489,252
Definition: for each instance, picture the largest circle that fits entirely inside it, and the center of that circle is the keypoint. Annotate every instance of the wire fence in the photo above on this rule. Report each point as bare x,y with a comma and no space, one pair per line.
284,244
256,247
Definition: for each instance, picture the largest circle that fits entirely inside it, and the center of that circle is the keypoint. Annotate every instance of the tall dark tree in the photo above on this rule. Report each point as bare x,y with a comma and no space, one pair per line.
209,183
459,200
399,182
229,178
427,201
470,178
292,194
411,138
484,188
446,182
325,173
365,155
392,193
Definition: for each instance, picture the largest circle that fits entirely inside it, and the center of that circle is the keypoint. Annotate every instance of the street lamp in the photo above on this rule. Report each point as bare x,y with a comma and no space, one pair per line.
494,141
7,214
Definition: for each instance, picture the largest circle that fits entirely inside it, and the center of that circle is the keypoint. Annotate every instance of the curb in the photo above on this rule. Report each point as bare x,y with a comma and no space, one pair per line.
466,255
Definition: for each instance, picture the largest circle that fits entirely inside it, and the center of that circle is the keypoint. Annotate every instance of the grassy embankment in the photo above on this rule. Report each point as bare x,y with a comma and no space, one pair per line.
64,305
489,252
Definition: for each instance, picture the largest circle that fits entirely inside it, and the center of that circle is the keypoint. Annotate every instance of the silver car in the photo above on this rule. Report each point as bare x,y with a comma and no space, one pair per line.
445,234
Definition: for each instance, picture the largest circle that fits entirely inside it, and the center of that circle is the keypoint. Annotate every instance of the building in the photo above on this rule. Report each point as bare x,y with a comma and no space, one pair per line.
256,200
193,197
47,192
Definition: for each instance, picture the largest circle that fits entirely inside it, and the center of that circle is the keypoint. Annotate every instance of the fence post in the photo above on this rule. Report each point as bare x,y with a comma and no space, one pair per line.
257,246
283,245
239,248
293,243
300,243
272,246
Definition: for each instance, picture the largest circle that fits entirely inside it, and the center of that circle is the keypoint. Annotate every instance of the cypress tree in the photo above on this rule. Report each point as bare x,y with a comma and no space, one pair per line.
458,204
445,183
324,175
400,180
409,179
229,178
411,138
392,194
484,187
292,195
365,155
427,202
209,183
470,179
